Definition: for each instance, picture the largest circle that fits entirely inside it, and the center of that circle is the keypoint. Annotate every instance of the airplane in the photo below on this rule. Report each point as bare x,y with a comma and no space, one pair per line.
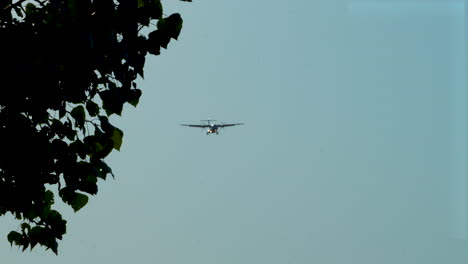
212,128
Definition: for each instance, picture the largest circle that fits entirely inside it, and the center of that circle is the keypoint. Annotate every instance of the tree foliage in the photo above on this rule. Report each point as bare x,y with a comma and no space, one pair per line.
66,66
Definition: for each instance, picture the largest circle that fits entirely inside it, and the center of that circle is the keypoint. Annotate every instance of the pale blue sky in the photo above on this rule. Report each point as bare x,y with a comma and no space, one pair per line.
354,148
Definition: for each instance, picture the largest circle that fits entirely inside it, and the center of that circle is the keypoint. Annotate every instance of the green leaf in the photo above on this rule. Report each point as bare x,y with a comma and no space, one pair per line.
134,97
33,244
34,212
30,8
78,113
58,148
176,23
92,108
92,145
79,201
105,124
88,177
155,41
15,237
102,168
74,199
150,8
52,244
58,128
112,101
25,245
36,235
80,148
116,137
171,26
48,198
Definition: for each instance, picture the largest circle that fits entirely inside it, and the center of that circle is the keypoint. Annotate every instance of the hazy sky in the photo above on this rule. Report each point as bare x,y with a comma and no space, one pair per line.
354,148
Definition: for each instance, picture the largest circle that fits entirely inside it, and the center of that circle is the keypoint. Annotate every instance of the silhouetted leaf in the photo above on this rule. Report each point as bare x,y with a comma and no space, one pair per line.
74,199
116,137
156,41
30,8
92,108
102,168
134,97
112,101
48,197
105,124
79,201
171,26
150,8
15,237
78,113
80,148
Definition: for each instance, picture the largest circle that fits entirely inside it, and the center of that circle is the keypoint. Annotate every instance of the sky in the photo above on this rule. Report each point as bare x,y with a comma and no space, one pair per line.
354,147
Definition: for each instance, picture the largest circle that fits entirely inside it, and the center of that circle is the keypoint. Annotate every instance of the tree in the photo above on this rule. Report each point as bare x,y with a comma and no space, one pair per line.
66,66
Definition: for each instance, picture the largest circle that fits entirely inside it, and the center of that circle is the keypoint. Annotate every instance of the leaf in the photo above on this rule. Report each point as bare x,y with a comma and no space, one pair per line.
71,134
30,8
176,23
99,147
92,108
171,26
149,9
25,245
58,128
92,145
134,97
52,244
33,244
116,137
112,101
102,168
48,198
105,124
155,42
88,177
15,237
79,201
58,148
80,148
74,199
78,113
36,235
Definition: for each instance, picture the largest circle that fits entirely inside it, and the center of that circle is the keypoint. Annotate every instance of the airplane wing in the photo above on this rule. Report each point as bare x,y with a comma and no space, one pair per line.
227,125
194,125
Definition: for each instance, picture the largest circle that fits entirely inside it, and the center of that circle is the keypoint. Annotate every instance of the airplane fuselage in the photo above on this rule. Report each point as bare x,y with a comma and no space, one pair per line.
213,129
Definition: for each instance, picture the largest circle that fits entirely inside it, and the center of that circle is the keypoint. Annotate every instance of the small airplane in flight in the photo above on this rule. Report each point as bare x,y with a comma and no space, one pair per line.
212,128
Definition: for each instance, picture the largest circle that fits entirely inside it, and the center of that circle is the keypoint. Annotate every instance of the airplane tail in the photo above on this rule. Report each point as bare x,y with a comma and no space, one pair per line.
208,120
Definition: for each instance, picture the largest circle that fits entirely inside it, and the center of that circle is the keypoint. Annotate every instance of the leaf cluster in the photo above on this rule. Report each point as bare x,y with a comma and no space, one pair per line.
66,67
